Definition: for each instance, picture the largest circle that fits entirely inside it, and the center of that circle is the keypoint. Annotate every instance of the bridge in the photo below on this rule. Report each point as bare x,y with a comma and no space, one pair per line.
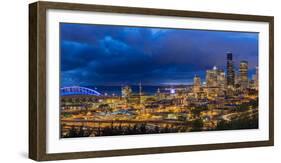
77,90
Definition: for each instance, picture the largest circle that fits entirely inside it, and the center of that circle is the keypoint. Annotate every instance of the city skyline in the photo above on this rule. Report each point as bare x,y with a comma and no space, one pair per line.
116,55
119,80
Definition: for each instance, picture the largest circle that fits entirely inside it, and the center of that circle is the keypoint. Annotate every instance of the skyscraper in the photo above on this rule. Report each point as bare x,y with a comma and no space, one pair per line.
230,70
212,82
126,91
243,72
196,84
256,78
140,89
221,79
212,77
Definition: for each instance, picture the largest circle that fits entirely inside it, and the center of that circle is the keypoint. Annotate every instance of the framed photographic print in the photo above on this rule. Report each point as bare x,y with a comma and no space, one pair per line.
112,81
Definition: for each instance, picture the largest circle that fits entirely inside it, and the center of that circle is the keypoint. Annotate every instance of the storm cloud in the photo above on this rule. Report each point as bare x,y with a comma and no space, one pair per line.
114,55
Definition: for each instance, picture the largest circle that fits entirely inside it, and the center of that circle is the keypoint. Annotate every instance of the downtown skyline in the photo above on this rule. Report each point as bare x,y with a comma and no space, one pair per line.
118,55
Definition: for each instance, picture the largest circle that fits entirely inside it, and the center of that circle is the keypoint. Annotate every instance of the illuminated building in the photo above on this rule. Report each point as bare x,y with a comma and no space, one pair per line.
243,74
215,81
126,91
230,70
221,82
160,95
237,79
221,79
211,77
196,84
215,78
256,78
172,91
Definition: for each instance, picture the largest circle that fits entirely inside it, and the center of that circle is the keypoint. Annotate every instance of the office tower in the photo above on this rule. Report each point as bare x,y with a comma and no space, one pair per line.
196,84
126,91
243,74
230,70
236,78
221,79
158,91
256,78
211,77
212,82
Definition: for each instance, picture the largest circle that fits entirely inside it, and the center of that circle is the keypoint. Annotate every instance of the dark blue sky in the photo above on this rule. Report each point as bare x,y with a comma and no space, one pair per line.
118,55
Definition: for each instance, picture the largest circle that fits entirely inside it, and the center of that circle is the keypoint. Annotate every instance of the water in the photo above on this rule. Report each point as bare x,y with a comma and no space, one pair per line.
116,90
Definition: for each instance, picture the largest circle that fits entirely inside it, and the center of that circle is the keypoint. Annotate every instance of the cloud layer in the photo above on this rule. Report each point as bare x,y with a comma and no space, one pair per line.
116,55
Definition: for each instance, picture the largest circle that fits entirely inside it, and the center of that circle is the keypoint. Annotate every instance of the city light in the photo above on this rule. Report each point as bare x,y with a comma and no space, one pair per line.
224,100
130,80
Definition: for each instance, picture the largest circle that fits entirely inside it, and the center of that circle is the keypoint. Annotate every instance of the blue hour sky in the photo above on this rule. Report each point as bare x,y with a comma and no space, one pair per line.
118,55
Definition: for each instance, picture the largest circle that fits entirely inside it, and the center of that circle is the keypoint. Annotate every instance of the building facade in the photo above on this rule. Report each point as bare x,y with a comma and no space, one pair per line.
243,74
212,77
196,84
126,91
230,70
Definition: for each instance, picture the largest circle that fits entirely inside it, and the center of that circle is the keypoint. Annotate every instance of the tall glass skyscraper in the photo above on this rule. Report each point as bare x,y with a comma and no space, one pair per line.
230,74
243,70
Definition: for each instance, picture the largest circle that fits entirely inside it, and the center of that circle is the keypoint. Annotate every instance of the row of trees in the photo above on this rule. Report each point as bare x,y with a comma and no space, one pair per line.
136,129
245,123
196,125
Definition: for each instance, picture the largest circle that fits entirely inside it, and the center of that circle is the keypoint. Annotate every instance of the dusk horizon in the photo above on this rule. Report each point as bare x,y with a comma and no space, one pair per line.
118,55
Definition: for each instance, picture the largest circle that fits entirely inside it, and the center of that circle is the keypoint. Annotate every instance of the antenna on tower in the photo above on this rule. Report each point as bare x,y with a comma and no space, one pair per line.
140,88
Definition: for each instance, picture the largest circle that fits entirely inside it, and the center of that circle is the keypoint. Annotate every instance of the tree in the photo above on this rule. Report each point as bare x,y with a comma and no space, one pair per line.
156,129
143,128
72,132
135,129
242,123
197,125
81,132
